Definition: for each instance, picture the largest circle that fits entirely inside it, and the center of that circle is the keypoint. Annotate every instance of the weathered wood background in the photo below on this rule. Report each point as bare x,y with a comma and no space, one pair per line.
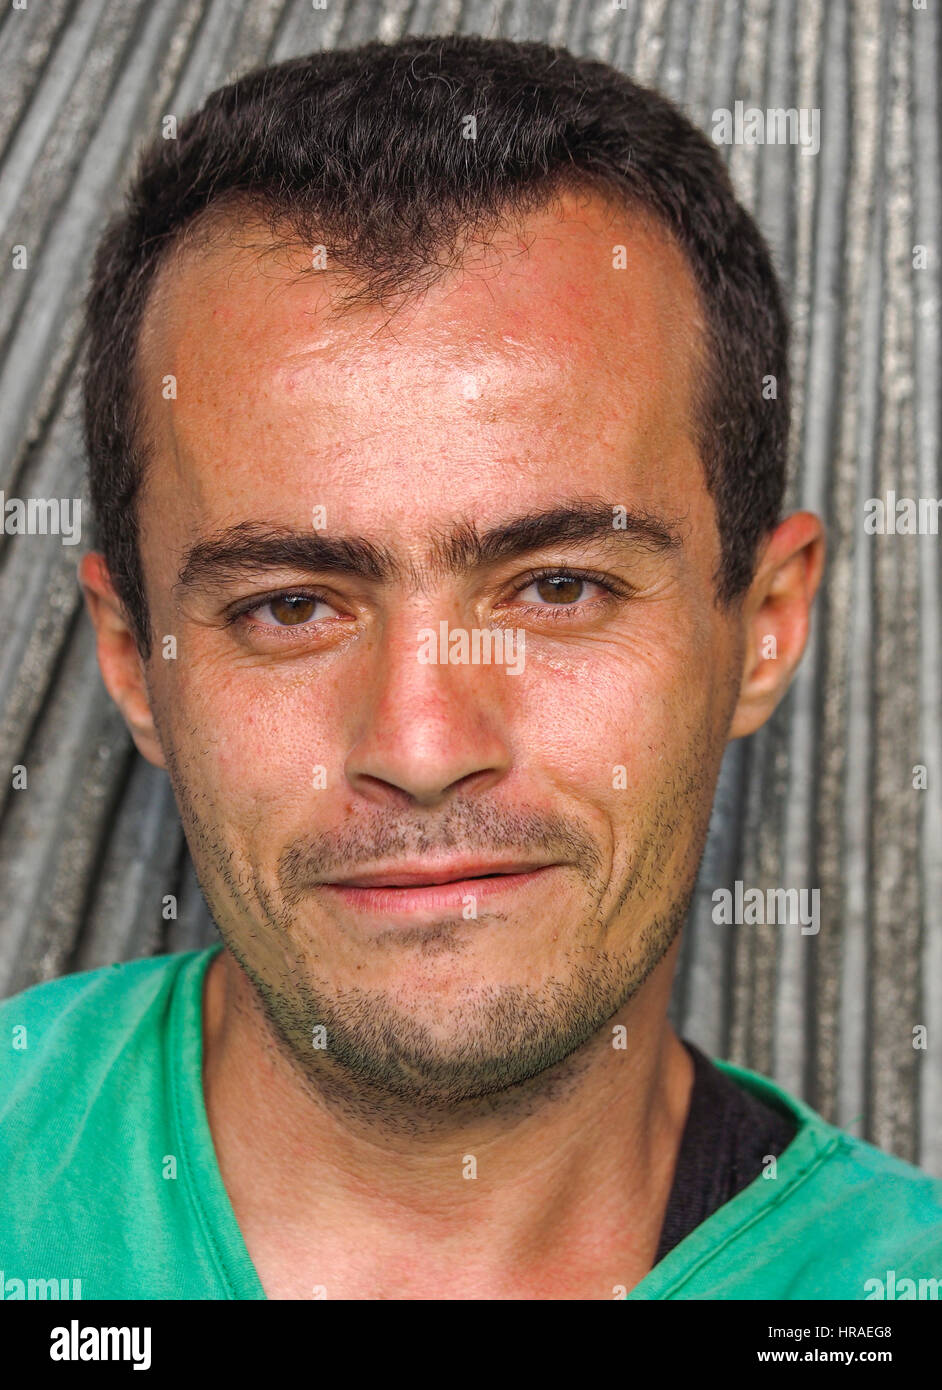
824,795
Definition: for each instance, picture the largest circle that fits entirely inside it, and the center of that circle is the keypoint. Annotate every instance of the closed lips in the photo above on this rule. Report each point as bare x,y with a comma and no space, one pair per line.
418,878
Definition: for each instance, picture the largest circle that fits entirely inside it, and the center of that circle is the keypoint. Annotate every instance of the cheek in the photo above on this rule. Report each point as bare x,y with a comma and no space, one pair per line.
624,703
248,742
618,735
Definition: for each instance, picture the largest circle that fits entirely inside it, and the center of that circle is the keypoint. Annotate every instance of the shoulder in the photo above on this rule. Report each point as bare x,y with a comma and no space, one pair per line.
849,1203
110,986
80,1023
92,1069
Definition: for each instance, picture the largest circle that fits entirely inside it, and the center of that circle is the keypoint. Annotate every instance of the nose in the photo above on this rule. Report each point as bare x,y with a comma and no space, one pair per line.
429,729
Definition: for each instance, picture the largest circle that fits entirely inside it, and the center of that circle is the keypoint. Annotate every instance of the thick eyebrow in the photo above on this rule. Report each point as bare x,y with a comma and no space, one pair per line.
250,548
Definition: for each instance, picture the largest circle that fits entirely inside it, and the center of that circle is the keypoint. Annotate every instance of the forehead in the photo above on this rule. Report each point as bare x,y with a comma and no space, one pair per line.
578,329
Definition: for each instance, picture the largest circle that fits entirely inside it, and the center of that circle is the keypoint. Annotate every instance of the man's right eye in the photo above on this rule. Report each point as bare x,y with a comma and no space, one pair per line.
286,610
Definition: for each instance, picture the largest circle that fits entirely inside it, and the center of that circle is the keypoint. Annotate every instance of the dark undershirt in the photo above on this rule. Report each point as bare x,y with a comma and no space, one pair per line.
727,1135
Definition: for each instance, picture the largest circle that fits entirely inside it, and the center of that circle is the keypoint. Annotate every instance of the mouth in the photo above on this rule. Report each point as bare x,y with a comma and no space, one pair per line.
439,889
421,876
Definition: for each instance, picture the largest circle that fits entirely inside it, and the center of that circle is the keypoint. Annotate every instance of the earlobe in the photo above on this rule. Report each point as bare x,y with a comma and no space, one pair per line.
118,658
776,615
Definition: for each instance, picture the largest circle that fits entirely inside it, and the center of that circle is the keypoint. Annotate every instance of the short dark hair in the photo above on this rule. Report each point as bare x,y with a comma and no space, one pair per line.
363,151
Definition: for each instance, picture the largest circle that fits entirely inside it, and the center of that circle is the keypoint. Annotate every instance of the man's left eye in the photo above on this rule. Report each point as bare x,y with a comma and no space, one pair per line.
287,610
558,590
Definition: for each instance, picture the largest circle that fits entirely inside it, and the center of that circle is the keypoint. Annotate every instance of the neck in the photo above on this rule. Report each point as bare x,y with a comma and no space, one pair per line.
570,1173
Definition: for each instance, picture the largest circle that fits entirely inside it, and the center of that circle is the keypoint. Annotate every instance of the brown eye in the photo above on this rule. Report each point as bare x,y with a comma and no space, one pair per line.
287,610
568,594
565,589
292,608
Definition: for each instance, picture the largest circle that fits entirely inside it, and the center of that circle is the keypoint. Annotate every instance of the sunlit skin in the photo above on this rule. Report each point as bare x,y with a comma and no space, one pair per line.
535,377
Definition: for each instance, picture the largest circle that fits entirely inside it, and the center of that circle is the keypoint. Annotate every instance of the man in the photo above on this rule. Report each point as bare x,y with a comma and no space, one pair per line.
438,480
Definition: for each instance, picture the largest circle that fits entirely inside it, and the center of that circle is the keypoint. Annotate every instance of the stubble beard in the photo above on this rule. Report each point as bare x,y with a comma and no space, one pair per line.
510,1048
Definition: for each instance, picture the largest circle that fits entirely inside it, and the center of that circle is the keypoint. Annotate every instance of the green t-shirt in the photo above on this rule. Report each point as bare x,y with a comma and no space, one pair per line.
109,1175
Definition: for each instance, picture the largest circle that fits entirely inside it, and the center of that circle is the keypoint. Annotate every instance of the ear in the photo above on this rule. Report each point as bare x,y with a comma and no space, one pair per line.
120,662
776,613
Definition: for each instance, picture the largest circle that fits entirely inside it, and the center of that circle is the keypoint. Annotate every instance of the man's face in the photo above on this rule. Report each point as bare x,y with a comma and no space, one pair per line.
309,742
